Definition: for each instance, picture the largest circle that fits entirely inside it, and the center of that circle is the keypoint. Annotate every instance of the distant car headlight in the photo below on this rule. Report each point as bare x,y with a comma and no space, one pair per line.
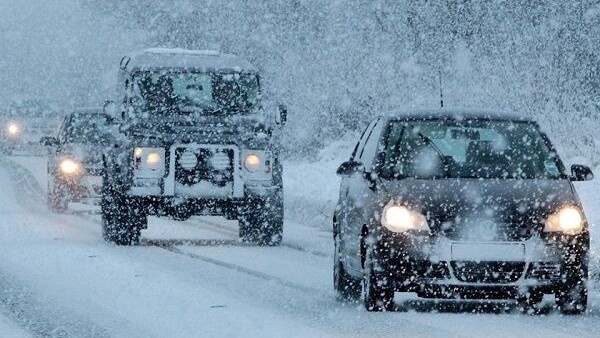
13,129
252,162
568,220
70,167
398,218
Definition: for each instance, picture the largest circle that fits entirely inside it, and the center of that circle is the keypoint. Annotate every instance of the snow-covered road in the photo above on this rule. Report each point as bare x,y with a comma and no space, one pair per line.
193,279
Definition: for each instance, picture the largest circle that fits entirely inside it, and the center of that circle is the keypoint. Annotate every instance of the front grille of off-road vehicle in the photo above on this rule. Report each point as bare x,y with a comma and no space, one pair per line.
215,166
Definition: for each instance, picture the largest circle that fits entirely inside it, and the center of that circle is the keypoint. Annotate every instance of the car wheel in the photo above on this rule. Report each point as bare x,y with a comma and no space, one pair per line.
572,296
347,288
261,222
378,295
122,222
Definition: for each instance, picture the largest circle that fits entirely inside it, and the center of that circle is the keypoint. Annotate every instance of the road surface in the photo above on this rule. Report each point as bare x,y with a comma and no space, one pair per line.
194,279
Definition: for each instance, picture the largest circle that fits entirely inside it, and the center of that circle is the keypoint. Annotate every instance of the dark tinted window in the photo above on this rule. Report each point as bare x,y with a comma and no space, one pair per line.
468,149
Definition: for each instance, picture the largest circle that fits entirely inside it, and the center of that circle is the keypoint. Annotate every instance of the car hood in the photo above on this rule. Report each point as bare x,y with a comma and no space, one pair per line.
205,129
484,209
90,155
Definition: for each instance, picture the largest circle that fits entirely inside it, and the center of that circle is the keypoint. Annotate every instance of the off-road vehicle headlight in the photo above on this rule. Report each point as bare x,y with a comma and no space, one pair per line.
568,220
399,218
252,162
149,161
69,166
153,160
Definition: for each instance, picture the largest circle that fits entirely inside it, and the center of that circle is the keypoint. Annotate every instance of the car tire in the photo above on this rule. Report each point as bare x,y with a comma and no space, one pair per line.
378,295
261,222
122,222
347,288
572,297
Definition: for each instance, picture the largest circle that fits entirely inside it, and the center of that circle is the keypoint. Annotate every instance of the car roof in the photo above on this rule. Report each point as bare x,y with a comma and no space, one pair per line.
183,58
457,114
86,110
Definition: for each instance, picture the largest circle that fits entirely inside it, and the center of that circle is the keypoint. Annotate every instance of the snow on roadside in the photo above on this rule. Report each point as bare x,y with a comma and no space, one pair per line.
9,330
311,187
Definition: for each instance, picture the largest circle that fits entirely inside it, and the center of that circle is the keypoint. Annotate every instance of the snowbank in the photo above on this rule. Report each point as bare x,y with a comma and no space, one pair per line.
311,187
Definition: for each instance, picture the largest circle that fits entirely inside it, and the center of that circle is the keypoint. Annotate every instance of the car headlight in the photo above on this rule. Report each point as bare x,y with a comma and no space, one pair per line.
69,167
13,129
149,161
568,220
153,160
252,162
398,218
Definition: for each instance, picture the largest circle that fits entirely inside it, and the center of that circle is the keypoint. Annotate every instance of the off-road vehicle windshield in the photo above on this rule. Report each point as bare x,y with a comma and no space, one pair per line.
468,149
87,128
195,92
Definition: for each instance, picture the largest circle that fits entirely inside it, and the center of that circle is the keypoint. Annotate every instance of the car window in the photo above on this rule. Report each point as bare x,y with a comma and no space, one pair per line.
62,131
87,128
369,151
468,149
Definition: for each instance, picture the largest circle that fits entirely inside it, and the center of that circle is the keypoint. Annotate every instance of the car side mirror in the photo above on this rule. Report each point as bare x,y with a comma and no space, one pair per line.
49,141
581,173
282,114
350,167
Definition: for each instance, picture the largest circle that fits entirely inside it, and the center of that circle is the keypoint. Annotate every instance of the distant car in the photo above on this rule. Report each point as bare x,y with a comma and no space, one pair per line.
460,204
75,158
12,132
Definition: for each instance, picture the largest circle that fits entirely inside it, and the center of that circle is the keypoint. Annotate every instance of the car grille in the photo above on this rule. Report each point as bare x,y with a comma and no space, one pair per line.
544,271
504,232
212,165
488,272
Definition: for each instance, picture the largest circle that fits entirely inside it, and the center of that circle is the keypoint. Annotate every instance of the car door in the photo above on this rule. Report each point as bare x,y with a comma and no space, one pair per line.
55,152
358,192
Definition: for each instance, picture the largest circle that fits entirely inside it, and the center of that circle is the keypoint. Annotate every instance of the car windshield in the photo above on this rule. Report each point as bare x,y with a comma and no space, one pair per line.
468,149
186,91
87,128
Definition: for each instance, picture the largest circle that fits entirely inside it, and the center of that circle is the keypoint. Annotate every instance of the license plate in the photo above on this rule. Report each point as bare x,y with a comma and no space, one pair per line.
488,252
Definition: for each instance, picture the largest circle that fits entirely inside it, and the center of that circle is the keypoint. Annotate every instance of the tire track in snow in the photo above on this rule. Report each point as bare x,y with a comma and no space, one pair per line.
231,266
171,246
228,230
19,302
22,306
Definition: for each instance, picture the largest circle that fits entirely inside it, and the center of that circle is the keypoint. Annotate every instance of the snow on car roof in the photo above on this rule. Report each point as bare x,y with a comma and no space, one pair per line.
458,113
184,58
87,110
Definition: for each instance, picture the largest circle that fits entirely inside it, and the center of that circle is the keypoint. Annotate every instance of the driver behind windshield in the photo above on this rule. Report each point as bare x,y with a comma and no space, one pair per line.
473,149
196,92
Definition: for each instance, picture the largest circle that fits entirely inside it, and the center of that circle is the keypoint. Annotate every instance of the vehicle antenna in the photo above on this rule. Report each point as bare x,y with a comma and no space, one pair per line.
441,92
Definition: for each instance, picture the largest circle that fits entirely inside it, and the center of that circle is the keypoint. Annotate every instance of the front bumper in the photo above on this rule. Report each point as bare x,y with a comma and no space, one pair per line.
438,264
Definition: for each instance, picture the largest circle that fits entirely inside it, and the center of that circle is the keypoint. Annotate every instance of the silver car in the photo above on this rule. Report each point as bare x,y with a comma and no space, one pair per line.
75,158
